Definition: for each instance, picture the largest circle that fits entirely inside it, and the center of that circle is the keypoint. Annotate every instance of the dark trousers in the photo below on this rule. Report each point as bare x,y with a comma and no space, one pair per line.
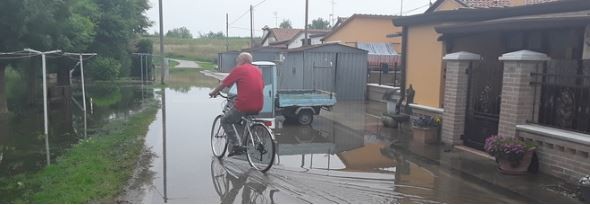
233,116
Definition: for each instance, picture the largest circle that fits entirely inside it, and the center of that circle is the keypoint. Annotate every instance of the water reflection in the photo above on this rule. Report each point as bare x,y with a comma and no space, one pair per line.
22,143
329,145
228,183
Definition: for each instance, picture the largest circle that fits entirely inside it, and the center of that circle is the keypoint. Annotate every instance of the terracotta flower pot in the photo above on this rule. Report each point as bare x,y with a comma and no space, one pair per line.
428,135
507,167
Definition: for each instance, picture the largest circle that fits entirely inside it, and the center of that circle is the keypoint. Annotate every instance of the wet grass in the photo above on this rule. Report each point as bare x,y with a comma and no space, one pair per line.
198,49
93,171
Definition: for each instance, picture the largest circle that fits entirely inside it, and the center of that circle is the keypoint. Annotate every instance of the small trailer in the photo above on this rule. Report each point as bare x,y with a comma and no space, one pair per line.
302,105
296,105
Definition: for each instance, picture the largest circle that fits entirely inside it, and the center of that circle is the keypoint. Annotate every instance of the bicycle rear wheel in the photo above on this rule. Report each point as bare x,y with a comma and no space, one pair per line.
218,138
260,148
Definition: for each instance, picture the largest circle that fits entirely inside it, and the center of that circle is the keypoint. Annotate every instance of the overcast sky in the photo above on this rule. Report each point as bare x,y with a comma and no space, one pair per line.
209,15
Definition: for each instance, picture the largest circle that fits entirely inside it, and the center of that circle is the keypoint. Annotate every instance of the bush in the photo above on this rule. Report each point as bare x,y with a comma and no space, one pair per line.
104,68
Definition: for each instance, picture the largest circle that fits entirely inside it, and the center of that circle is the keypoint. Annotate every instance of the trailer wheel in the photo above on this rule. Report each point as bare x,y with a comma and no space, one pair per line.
305,117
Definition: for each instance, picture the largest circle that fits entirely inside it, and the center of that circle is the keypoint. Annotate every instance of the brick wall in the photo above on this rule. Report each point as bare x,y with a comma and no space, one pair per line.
455,102
518,96
560,158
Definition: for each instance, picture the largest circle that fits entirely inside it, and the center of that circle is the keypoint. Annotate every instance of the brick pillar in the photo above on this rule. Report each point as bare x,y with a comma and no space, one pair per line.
518,95
455,99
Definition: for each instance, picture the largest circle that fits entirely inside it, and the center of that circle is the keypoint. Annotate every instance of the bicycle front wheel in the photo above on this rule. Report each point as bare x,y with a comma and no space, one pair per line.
260,148
218,138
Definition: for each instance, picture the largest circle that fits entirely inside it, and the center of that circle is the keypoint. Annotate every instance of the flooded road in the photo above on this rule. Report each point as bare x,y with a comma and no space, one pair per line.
345,156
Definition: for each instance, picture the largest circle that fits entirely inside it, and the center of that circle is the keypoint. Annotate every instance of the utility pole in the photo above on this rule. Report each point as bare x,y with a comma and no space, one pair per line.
162,70
81,56
163,73
45,111
401,9
306,22
251,27
226,32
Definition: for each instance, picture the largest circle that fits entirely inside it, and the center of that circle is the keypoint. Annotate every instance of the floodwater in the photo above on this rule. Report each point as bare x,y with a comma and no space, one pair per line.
22,142
345,156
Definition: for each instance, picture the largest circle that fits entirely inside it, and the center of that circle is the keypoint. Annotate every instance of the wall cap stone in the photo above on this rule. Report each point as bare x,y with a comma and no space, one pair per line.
428,108
555,133
462,56
524,55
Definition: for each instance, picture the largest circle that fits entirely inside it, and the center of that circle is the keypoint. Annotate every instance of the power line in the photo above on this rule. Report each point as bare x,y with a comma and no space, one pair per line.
415,9
241,16
241,28
246,12
258,4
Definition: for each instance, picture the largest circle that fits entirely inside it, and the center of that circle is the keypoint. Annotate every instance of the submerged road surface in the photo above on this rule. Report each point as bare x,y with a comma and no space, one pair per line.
345,156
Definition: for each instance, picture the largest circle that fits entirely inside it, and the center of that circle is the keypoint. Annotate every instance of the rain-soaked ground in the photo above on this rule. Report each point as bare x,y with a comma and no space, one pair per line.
345,156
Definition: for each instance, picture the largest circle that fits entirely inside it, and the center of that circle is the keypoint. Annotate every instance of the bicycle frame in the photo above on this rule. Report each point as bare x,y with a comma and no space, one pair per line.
248,123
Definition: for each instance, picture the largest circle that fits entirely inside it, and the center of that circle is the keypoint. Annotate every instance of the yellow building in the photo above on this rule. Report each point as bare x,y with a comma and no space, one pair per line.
423,53
363,28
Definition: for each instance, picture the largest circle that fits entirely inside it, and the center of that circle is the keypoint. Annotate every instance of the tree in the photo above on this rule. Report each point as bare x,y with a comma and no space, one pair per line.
41,25
104,27
285,24
319,23
181,32
120,23
212,34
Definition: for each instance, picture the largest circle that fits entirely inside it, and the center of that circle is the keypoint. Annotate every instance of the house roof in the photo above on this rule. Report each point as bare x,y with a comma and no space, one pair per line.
322,45
576,18
482,3
480,14
281,34
439,2
378,48
318,35
311,33
350,19
265,49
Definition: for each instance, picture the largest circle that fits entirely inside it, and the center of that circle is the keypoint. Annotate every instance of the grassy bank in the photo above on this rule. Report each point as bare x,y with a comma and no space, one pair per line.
95,170
198,49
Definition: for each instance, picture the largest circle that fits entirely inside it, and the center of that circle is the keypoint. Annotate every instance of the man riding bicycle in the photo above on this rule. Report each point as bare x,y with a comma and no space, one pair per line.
249,101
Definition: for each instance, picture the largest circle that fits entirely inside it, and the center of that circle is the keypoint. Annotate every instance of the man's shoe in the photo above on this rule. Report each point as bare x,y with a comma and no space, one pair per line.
236,150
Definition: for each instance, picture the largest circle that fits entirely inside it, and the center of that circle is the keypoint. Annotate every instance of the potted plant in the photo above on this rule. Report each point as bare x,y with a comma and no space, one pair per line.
425,128
513,155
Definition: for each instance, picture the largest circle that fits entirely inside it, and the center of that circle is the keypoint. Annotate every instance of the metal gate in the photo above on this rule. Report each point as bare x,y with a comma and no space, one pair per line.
483,102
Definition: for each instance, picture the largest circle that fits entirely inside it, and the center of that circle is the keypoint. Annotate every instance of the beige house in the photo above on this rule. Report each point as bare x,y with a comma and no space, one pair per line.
374,29
423,56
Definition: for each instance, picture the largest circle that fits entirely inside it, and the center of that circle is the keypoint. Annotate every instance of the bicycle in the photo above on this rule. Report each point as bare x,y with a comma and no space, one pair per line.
260,142
228,184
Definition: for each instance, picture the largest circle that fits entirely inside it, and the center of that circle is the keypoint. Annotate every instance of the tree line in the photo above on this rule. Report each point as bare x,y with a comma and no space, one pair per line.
110,28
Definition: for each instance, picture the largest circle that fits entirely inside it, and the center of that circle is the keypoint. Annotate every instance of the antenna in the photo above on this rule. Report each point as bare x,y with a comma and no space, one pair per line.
276,19
333,2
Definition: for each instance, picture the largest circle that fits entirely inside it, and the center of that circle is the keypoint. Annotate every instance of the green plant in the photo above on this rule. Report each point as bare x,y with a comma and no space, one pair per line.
104,68
426,121
507,148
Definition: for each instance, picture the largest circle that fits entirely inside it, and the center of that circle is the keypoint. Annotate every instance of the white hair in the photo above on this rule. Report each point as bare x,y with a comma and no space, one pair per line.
244,58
